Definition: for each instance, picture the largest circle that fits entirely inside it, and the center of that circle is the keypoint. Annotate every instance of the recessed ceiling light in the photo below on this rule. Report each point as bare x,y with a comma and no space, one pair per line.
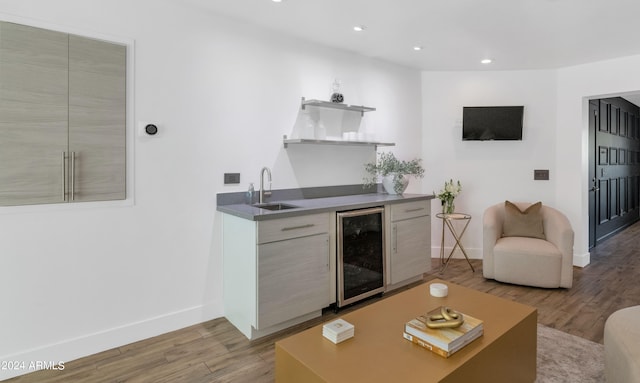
486,61
277,1
417,48
359,28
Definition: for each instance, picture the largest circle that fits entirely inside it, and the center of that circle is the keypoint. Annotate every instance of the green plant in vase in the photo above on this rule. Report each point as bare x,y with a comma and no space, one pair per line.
448,194
393,171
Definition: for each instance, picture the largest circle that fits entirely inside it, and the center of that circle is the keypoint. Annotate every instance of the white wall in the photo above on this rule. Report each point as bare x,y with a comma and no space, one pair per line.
490,171
77,280
555,138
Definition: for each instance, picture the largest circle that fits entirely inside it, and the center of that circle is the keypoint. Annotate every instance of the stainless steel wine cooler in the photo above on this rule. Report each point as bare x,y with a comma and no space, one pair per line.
361,254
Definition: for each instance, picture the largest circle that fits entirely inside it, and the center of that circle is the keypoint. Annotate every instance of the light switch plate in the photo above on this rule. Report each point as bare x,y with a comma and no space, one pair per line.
541,174
231,178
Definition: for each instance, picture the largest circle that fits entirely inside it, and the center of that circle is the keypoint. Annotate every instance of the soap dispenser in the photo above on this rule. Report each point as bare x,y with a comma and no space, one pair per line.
250,194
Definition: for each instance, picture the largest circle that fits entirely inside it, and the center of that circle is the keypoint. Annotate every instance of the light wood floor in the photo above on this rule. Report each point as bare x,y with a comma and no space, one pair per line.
216,352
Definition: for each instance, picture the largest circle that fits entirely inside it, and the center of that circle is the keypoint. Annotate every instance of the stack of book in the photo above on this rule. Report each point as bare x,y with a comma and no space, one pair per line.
337,331
442,341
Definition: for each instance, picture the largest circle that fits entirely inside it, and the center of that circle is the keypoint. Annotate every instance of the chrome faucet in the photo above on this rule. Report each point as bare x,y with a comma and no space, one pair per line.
262,192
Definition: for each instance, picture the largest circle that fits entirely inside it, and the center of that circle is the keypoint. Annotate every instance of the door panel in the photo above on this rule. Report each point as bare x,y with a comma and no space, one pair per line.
614,202
410,248
97,119
293,279
33,106
603,204
622,195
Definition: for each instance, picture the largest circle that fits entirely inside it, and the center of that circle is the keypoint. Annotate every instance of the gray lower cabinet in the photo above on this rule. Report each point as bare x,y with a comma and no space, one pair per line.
281,272
410,242
62,117
276,272
293,278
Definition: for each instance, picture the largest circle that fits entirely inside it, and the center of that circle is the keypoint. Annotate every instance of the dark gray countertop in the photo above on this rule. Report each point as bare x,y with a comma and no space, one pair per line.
319,205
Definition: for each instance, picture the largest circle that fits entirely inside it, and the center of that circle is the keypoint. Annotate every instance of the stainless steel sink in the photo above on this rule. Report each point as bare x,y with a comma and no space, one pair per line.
275,206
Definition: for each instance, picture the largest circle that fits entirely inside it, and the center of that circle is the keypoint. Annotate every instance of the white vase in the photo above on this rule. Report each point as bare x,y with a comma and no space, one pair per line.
388,184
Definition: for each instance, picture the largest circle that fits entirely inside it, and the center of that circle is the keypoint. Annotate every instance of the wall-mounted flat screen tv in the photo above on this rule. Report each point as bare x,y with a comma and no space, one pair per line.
483,123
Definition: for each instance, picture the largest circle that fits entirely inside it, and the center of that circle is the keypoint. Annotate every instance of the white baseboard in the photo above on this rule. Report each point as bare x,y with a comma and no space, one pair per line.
54,356
581,260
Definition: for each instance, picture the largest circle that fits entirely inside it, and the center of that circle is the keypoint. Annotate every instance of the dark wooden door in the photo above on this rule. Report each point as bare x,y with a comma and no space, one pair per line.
615,182
594,107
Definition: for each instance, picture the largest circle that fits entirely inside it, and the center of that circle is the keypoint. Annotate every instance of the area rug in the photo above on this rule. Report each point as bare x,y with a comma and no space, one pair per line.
566,358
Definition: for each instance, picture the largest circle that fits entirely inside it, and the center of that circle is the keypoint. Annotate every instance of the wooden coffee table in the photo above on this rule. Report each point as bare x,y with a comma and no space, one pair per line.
378,352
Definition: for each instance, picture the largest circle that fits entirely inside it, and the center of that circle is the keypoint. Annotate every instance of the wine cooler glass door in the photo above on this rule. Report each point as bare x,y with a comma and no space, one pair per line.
361,255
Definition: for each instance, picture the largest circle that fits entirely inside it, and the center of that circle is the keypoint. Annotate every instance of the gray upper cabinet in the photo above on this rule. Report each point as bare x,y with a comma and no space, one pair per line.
62,117
33,114
97,120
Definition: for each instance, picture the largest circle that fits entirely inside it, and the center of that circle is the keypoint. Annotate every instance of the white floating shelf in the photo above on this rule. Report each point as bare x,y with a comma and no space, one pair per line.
335,105
313,141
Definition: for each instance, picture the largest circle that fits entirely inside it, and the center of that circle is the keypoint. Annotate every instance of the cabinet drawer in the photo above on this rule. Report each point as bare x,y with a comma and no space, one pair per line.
410,210
293,227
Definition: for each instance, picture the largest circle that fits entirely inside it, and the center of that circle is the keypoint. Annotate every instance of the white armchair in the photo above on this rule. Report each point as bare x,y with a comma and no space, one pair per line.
526,260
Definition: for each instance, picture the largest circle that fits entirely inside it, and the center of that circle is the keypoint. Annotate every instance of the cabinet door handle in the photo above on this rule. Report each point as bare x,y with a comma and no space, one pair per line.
395,239
73,176
412,210
64,177
328,255
298,227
